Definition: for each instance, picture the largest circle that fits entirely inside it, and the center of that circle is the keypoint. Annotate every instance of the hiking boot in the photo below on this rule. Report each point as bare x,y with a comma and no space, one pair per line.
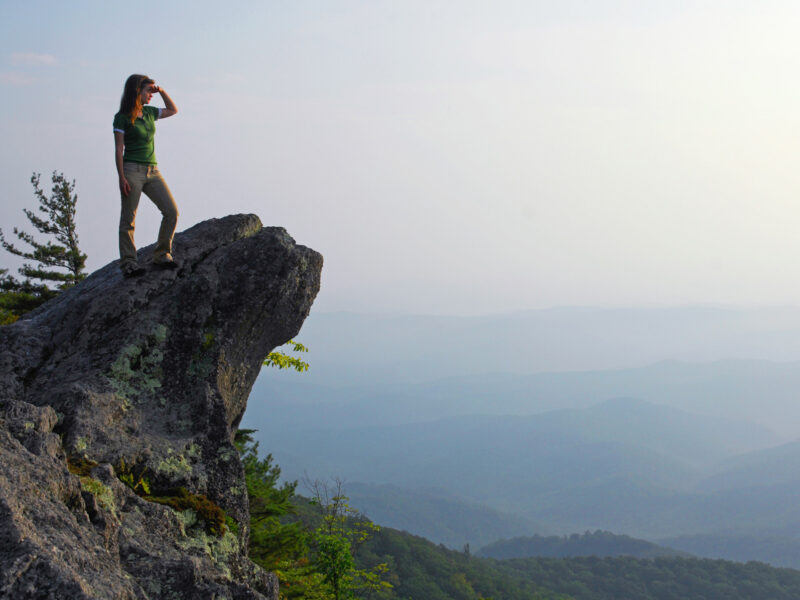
132,270
165,263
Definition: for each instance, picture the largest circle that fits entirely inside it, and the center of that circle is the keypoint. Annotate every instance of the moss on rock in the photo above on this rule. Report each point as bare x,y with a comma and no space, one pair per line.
103,493
80,465
209,513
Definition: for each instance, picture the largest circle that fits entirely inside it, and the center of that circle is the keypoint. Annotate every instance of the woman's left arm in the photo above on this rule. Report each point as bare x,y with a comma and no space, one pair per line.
169,106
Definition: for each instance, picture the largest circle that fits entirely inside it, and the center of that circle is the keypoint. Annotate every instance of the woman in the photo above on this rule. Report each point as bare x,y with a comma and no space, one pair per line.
134,129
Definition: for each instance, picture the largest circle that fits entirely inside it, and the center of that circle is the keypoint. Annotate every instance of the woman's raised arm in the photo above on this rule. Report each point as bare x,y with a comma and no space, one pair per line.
170,108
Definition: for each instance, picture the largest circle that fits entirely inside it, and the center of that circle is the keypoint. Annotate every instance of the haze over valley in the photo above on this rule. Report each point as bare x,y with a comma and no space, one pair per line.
661,427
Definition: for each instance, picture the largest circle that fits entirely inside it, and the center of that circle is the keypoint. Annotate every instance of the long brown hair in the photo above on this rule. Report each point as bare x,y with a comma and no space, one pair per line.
131,102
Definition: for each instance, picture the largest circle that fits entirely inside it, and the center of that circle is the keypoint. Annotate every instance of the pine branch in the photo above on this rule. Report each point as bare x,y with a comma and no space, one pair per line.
55,218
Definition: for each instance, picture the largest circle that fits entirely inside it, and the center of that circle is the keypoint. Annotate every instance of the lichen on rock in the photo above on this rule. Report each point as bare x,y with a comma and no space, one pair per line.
137,371
154,371
175,466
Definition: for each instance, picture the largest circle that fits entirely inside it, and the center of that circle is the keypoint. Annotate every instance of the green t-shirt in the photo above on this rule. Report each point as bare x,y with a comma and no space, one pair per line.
139,135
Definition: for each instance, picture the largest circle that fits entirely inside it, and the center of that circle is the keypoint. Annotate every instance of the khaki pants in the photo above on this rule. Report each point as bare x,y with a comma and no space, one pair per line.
147,179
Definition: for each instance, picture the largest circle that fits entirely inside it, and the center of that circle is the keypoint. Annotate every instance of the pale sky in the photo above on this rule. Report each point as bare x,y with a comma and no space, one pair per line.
445,156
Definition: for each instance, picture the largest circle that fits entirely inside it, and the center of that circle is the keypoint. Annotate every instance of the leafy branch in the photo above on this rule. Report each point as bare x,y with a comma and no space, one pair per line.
286,361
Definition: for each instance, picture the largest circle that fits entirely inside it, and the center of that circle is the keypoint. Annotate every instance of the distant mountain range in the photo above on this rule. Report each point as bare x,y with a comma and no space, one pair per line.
623,465
352,348
454,523
754,391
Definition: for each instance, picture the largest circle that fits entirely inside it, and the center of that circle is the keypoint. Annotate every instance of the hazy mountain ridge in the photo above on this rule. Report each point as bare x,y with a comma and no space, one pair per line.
779,465
756,391
436,516
347,348
597,543
779,551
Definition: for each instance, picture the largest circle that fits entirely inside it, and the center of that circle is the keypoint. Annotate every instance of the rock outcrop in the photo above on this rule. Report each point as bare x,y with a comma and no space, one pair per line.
119,400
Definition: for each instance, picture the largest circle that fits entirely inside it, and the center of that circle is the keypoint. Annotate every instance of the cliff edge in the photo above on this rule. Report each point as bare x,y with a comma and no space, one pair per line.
119,400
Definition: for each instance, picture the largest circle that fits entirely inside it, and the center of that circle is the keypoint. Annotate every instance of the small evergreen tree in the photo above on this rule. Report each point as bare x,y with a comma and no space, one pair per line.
271,541
58,262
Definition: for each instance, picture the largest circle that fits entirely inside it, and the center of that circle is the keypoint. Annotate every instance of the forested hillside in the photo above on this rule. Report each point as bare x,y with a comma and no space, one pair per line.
423,571
593,578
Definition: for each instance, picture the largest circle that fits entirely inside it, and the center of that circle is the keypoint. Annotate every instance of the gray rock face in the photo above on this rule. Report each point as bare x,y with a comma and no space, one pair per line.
148,378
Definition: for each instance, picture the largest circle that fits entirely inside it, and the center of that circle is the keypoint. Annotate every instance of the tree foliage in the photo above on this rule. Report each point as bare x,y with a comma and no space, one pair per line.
7,315
282,360
271,541
595,578
56,264
336,540
278,540
419,568
312,556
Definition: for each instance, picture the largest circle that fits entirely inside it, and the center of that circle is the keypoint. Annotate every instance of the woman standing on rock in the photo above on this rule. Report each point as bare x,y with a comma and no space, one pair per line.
134,130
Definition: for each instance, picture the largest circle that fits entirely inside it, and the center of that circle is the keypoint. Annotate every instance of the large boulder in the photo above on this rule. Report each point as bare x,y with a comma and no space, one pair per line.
119,400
